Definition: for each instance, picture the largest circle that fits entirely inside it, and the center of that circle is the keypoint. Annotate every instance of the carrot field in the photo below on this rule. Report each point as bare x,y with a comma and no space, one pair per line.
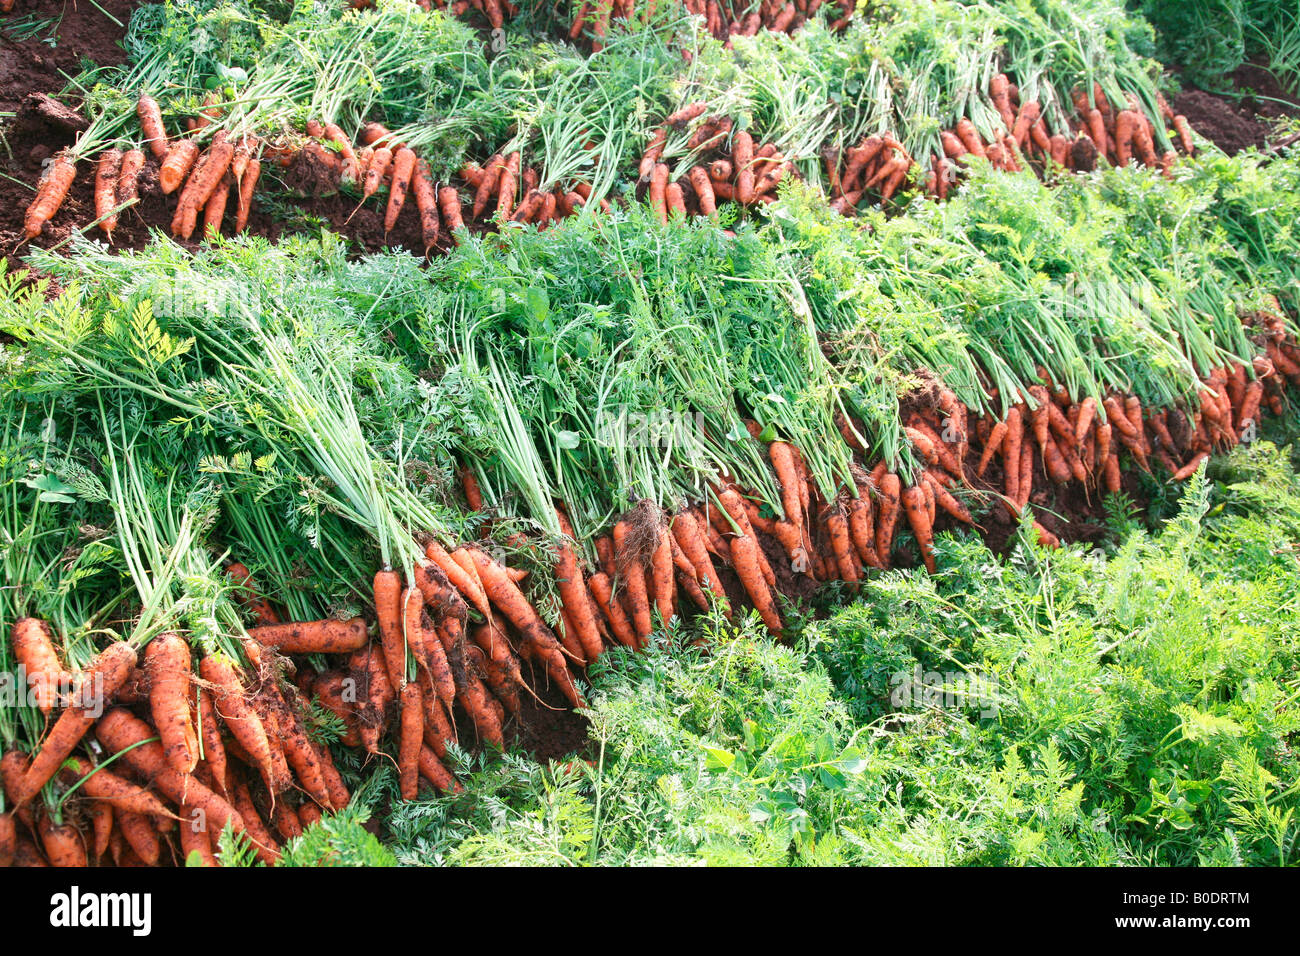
649,432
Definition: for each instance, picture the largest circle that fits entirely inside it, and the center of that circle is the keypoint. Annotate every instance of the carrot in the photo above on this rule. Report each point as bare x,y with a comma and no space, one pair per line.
264,844
101,824
508,185
232,706
945,498
573,597
167,664
449,206
381,159
632,578
432,770
1126,122
510,601
62,844
403,171
690,111
246,186
370,676
1189,469
841,545
1184,130
1030,111
151,123
215,210
128,178
372,133
214,749
102,678
26,854
994,444
388,609
601,24
692,542
119,730
426,203
742,155
107,171
50,194
34,653
488,184
176,166
970,138
661,572
745,556
328,636
434,655
329,689
473,696
887,491
140,834
674,202
13,768
612,609
657,192
1000,94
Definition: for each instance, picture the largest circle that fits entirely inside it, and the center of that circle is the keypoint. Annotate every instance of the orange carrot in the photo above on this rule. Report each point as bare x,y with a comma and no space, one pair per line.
887,491
612,609
62,844
1184,130
914,507
51,192
573,597
177,165
328,636
246,186
34,653
631,576
140,834
403,170
167,664
742,154
661,569
215,210
692,542
508,185
151,123
432,770
426,204
388,609
745,555
841,545
214,748
107,171
8,839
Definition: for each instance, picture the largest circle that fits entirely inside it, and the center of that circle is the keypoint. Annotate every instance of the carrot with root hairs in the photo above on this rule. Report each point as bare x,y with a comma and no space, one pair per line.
476,701
632,577
470,587
435,655
167,665
99,682
692,542
745,556
510,601
328,636
369,674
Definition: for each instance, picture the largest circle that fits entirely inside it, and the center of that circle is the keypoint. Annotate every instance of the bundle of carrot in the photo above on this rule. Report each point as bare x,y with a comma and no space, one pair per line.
1024,137
507,190
727,166
879,164
723,18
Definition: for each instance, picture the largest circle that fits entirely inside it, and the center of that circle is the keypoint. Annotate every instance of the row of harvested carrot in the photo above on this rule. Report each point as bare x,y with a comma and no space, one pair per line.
432,662
723,18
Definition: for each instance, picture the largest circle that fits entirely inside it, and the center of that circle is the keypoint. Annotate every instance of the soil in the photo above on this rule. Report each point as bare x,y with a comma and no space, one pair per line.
1241,121
546,729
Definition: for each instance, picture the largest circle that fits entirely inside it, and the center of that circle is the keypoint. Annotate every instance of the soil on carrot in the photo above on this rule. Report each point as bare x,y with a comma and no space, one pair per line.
1246,118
